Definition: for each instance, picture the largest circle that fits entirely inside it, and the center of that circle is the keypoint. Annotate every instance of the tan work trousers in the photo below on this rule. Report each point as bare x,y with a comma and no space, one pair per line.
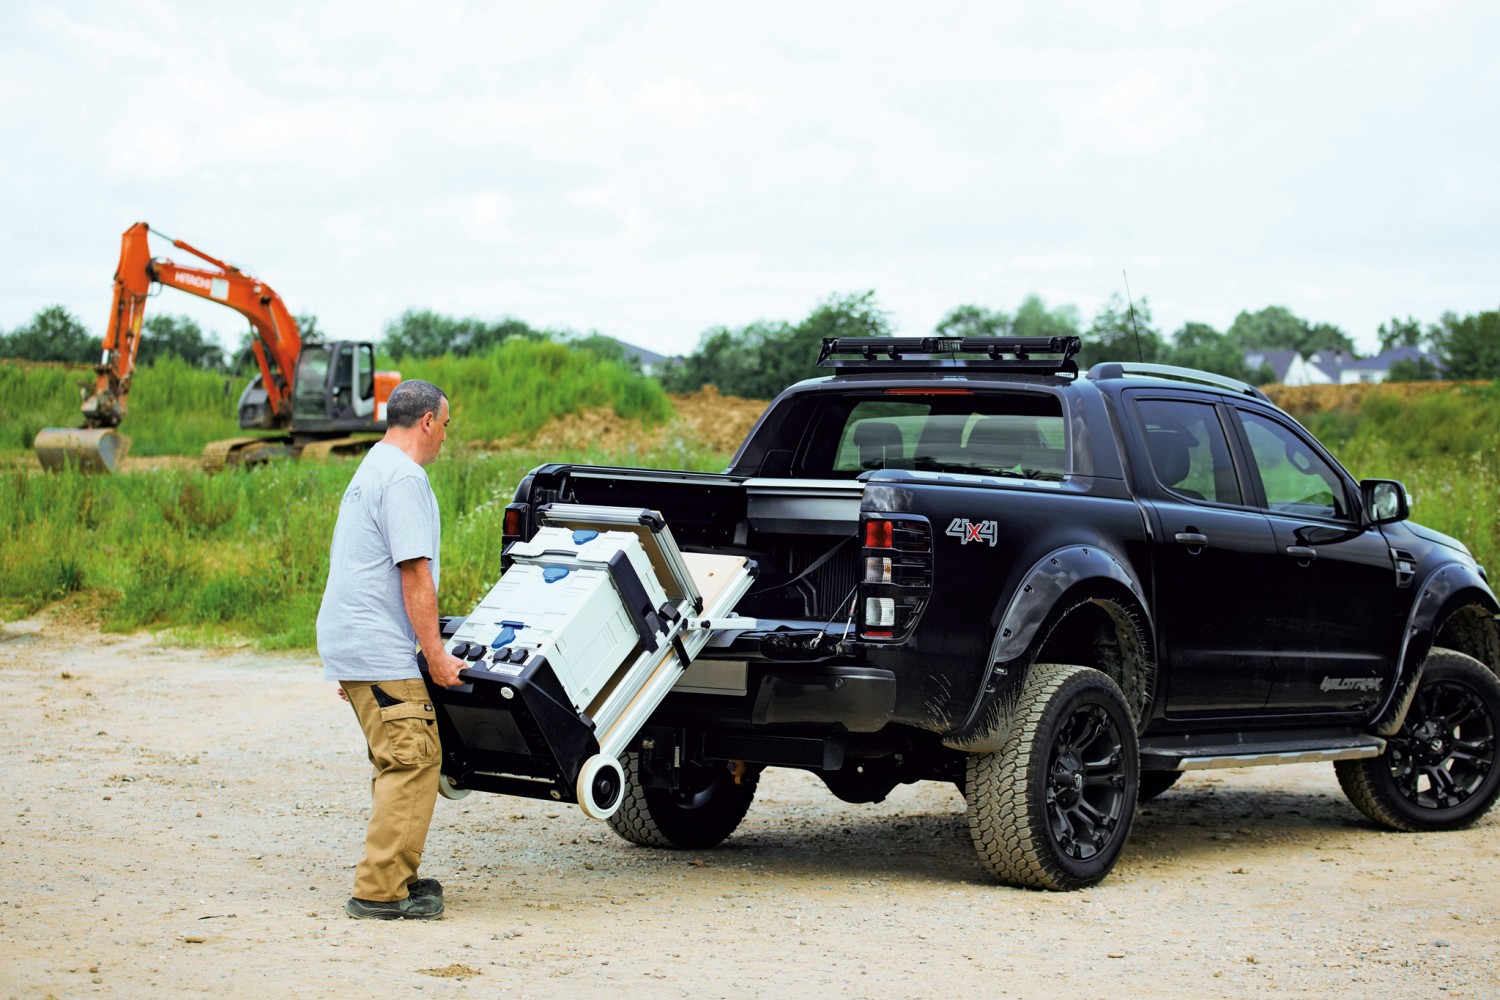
404,749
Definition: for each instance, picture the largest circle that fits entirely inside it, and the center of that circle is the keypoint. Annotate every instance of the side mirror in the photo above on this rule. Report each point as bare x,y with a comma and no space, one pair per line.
1385,501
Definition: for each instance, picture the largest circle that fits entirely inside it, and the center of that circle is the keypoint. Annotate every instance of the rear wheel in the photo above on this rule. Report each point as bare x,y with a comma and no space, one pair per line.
706,808
1439,772
1051,809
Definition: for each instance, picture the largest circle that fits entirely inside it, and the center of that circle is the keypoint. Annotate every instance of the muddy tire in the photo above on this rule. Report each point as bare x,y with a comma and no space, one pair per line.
1153,783
1440,771
705,812
1052,808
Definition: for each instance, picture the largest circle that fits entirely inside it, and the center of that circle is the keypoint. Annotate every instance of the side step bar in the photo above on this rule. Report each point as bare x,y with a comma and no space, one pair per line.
1192,753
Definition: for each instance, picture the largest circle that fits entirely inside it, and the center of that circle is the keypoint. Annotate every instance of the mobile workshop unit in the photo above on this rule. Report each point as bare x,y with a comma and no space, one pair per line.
572,650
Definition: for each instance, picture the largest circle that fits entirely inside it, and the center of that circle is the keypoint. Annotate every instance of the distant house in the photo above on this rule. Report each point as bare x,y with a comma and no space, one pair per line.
1378,368
1328,367
651,362
1288,367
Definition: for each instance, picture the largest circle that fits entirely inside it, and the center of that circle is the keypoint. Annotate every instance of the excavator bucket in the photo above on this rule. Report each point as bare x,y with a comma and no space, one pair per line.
87,449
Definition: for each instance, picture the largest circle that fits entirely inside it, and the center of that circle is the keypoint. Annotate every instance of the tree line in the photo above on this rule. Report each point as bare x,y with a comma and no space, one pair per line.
759,359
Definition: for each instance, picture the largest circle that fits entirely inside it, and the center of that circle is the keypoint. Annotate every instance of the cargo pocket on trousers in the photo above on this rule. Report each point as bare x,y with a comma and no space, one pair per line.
411,732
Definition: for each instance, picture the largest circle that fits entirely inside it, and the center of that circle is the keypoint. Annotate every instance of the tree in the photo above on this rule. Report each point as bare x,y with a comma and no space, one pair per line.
1034,320
1276,328
1400,333
53,334
1468,347
728,359
759,360
794,357
1121,332
163,334
422,333
1420,369
1200,346
974,321
607,348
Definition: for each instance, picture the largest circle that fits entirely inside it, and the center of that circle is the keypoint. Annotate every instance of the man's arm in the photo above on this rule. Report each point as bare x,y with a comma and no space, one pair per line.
420,597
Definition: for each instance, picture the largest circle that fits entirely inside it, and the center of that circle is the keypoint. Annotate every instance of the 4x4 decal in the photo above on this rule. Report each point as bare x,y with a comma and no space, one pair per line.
967,531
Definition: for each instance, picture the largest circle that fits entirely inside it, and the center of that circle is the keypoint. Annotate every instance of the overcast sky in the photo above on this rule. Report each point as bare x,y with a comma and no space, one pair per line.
651,169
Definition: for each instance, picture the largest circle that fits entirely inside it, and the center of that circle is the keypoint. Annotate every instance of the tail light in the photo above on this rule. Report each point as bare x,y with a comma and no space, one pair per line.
898,575
512,529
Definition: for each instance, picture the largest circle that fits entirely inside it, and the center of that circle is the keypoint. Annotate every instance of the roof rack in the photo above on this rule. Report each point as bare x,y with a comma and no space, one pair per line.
912,353
1119,369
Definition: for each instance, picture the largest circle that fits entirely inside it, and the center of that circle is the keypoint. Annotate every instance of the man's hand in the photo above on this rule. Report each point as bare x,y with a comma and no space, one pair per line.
444,667
421,608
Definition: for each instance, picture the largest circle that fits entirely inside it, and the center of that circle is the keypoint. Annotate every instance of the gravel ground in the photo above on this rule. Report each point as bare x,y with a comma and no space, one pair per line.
185,822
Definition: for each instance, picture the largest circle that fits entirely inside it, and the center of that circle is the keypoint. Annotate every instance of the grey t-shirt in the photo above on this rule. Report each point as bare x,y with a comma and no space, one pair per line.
388,515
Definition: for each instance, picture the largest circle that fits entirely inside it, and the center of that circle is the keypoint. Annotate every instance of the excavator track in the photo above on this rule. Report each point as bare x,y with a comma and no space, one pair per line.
318,451
244,451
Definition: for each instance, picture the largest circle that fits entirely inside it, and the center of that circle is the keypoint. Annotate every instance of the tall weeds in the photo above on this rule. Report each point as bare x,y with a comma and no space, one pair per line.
175,409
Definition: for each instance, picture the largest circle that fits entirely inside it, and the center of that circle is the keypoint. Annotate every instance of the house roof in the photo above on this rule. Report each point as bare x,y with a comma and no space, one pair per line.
1382,362
1280,362
646,357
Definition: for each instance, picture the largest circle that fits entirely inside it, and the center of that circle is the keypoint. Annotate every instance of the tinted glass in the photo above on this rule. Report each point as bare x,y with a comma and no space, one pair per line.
1296,480
1189,449
1010,435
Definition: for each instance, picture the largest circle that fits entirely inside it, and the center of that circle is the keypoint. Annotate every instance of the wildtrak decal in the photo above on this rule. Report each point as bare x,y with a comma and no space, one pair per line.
1350,684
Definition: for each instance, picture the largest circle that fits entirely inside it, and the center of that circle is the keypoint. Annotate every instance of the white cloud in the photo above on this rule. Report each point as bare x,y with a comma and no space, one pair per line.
652,169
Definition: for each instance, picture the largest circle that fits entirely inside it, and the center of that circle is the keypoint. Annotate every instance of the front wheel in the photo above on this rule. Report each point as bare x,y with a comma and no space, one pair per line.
705,809
1439,772
1052,808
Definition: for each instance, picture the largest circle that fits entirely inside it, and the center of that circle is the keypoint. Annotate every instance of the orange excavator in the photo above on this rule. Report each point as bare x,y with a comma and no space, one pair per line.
321,397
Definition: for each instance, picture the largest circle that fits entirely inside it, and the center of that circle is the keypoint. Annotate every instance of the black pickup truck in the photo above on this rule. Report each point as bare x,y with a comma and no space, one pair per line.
1058,590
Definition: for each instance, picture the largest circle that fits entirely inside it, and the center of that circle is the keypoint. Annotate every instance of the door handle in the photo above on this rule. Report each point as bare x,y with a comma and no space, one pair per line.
1306,553
1192,539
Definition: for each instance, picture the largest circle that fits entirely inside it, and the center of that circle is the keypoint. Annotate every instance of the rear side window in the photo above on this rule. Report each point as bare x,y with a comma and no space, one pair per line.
1189,450
999,434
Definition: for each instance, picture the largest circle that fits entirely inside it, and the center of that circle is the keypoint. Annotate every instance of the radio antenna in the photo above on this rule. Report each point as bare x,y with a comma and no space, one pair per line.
1140,353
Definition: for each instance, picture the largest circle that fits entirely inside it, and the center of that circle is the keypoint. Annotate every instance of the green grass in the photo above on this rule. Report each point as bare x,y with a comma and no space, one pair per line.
243,554
512,391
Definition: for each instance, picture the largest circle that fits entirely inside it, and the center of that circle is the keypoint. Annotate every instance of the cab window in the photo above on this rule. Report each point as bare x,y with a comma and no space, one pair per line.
997,434
1295,478
1189,450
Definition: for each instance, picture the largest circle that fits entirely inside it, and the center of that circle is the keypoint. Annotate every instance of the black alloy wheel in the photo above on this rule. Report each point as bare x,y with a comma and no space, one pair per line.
1439,772
1086,783
1052,808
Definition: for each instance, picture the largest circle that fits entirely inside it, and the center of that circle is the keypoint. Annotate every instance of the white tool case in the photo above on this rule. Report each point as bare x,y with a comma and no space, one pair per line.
570,653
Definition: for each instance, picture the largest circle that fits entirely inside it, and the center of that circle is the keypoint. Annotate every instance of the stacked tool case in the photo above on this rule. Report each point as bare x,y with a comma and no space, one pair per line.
569,653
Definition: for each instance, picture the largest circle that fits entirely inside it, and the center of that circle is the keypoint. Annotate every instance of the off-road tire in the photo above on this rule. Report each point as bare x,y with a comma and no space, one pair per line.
1441,771
695,819
1069,764
1153,783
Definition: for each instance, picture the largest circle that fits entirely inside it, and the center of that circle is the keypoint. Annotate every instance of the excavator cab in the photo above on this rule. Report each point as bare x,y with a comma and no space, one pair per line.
334,389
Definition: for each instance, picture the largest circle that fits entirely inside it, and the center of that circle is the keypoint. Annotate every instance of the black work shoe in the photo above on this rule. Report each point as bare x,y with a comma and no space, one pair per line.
425,887
410,908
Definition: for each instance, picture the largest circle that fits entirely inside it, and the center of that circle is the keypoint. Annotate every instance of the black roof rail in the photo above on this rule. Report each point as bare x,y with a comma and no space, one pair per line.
1120,369
915,353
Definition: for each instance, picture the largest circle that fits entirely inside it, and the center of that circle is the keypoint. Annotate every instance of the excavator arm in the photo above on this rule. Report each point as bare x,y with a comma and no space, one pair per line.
97,446
276,344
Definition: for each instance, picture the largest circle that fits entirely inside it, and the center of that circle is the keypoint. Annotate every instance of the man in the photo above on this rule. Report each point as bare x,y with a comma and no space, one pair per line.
380,602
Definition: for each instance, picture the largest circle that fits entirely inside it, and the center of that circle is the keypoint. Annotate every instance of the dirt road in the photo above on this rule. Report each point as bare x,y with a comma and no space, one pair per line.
183,822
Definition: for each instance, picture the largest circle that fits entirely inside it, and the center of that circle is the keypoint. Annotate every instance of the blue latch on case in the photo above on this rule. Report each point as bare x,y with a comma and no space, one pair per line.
506,637
584,535
551,574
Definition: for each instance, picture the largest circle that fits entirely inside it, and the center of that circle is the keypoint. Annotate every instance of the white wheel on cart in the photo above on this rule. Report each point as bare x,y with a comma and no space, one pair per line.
601,783
448,790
